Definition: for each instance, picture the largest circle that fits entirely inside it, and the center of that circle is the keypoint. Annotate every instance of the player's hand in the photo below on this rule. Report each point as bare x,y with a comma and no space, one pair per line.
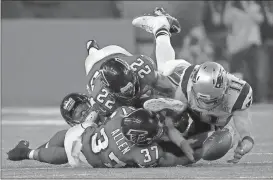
186,148
91,117
242,148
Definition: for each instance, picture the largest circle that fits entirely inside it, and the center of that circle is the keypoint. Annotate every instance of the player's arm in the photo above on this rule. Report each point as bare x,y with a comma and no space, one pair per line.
170,78
242,122
169,160
176,137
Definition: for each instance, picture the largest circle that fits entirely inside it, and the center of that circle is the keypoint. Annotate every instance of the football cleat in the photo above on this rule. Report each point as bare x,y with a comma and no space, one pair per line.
92,44
174,23
156,105
157,20
20,152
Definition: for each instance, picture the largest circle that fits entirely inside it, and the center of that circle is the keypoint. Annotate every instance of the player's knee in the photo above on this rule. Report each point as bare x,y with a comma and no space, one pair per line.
57,140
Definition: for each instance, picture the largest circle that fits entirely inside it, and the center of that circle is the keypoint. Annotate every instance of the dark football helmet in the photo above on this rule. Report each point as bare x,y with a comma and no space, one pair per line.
141,127
120,78
74,108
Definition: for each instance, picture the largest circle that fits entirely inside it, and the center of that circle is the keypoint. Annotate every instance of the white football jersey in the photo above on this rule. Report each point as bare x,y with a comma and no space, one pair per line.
238,96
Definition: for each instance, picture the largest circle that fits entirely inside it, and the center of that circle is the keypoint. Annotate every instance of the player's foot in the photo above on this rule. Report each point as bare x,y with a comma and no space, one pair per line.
159,19
160,104
20,152
92,44
174,23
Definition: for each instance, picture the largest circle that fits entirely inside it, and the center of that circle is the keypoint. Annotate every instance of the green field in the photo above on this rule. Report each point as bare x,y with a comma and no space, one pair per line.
256,165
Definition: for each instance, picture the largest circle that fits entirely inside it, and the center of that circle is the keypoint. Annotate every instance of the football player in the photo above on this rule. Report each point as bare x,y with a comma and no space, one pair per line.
118,78
211,95
75,109
126,138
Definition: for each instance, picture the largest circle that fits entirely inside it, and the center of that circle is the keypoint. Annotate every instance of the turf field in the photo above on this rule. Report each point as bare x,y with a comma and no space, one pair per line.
38,125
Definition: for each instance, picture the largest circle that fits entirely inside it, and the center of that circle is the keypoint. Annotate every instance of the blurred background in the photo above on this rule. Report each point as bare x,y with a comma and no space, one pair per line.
44,42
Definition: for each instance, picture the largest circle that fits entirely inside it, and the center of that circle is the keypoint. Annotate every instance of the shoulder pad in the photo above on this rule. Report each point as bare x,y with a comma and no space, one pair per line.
185,79
244,99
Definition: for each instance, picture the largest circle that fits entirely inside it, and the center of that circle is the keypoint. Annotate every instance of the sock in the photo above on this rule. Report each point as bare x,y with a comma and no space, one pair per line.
33,154
162,31
164,50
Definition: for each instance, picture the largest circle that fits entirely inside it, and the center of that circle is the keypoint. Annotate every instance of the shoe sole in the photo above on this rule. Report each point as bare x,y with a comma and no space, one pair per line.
138,22
173,28
160,104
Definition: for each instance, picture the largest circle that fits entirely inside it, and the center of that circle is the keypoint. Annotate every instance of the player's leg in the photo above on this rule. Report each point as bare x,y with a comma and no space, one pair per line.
51,155
163,48
56,141
161,25
95,54
52,152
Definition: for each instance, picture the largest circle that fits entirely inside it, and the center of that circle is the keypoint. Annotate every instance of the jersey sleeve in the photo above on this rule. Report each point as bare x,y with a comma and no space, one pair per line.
175,76
244,99
149,156
186,75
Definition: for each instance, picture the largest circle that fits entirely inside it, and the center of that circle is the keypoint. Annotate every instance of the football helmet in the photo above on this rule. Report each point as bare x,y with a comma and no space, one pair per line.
209,85
141,127
120,78
74,108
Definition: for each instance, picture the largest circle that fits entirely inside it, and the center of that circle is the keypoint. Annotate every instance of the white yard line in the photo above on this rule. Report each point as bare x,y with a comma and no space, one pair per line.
34,122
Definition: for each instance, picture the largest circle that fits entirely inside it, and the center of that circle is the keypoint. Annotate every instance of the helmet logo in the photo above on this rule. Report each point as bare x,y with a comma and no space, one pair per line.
137,136
194,75
68,105
220,80
127,89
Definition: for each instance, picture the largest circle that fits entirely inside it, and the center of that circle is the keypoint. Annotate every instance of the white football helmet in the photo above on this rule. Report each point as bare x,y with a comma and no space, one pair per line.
209,85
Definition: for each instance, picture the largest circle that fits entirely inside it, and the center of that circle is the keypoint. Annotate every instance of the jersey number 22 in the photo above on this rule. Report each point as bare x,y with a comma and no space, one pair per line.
141,72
